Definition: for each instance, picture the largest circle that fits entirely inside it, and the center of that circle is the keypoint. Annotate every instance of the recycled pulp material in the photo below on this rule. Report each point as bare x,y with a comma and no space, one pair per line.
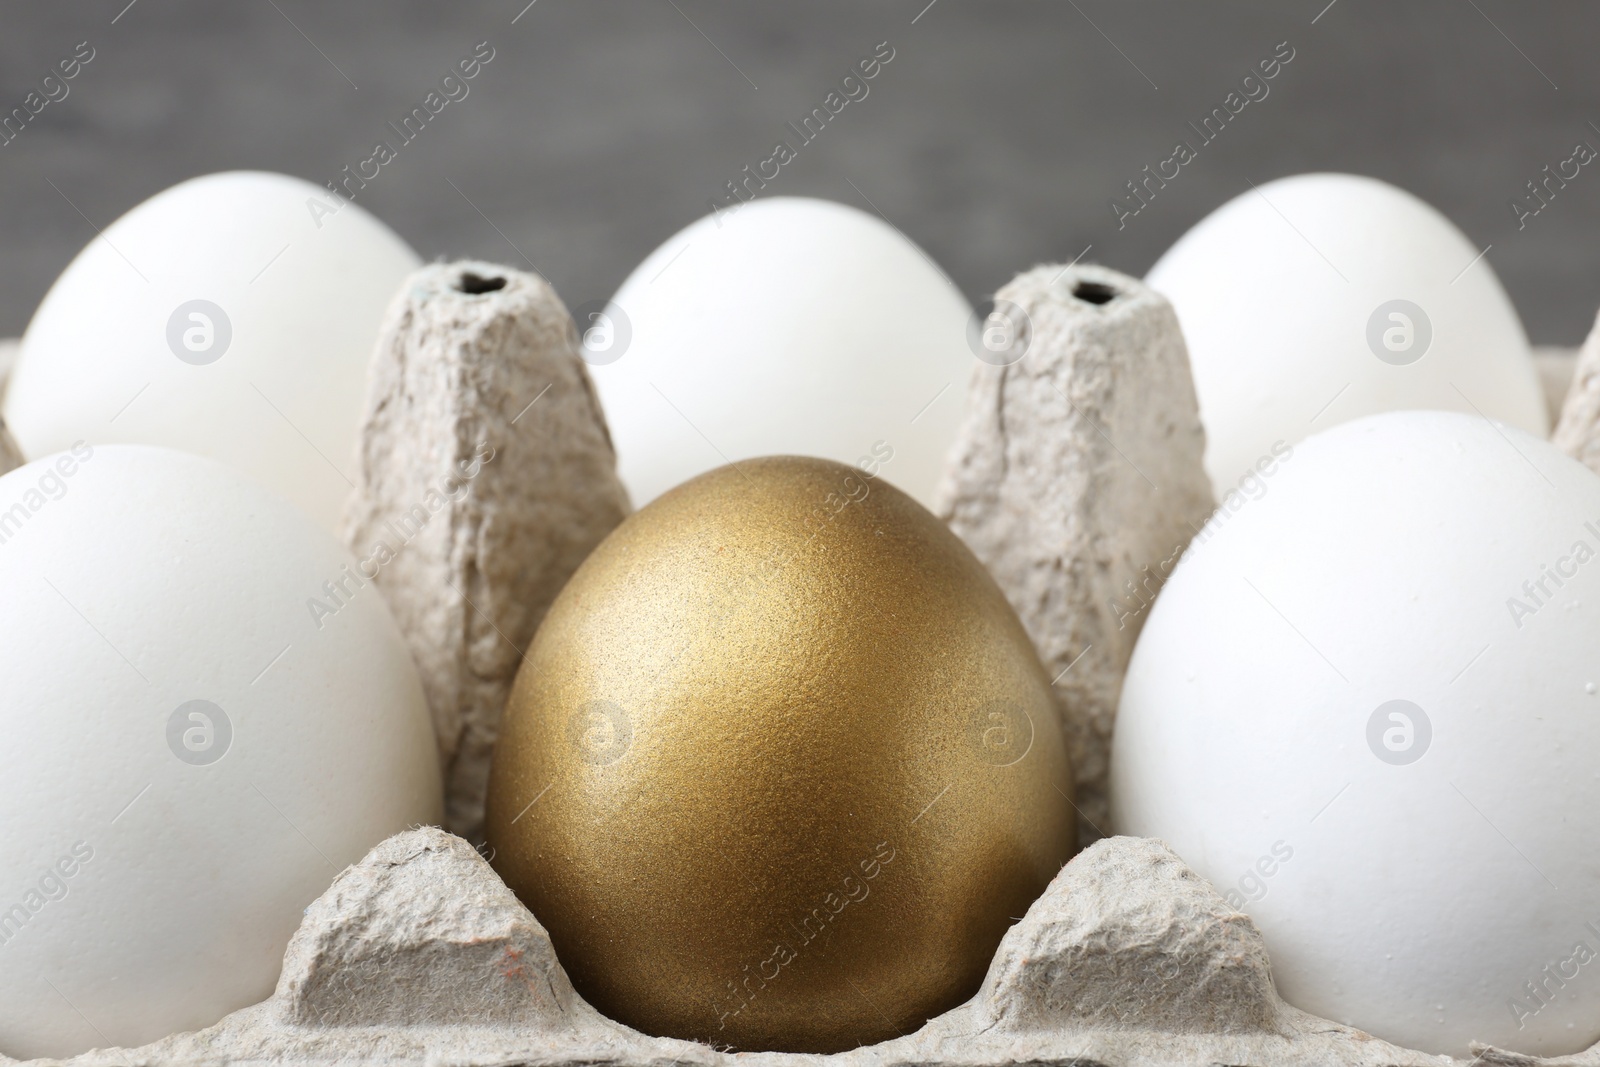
1077,480
419,954
486,475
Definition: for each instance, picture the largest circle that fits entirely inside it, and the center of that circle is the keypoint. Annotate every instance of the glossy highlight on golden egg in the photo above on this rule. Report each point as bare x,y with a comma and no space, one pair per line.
781,766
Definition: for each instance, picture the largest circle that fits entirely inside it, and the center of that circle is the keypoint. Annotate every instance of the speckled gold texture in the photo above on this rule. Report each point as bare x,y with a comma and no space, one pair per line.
781,766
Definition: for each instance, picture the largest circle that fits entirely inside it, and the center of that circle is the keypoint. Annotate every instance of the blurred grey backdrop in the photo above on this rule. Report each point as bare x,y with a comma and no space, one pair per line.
995,139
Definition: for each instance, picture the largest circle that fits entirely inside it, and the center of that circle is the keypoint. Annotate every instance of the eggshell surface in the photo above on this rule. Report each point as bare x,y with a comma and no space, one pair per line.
782,724
192,752
789,325
1364,707
233,316
1320,298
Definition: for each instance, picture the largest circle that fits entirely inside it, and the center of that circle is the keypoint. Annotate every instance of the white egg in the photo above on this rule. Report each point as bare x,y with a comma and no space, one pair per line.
189,757
233,316
1321,298
788,325
1362,708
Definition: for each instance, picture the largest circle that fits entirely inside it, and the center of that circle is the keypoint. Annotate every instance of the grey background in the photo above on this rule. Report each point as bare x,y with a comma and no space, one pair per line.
994,139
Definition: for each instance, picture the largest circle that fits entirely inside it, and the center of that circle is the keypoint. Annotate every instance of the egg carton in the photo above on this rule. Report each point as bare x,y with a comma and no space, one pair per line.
420,954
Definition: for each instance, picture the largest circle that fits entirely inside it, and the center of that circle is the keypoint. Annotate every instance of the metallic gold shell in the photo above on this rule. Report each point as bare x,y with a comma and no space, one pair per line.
781,766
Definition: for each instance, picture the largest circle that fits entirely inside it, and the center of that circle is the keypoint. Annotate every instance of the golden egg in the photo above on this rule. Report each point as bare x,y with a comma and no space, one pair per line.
781,766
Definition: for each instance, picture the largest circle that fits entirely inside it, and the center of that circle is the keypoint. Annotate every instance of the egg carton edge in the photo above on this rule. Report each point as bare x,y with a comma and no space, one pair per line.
1128,959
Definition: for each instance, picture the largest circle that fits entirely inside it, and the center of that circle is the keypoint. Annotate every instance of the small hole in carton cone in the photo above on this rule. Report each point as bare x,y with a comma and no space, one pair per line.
1094,292
477,284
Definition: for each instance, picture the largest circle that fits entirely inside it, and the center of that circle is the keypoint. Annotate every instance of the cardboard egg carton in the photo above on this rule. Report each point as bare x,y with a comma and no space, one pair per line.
420,954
